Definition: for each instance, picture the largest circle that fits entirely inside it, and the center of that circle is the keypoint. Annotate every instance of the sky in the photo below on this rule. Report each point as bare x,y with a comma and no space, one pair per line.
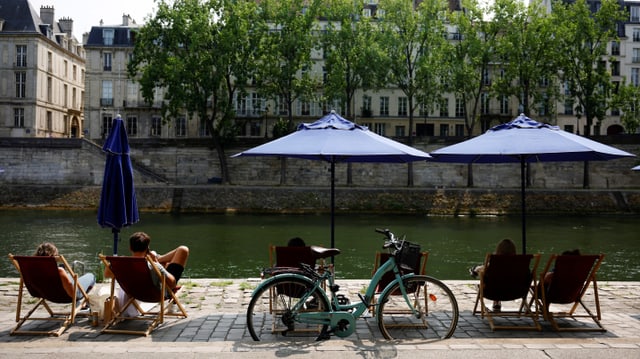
88,13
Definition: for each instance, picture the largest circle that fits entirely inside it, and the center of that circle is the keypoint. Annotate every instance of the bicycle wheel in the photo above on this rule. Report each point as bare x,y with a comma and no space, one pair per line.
271,312
437,307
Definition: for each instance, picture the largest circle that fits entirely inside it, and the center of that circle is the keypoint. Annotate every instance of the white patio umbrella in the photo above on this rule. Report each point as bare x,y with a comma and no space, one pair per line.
334,139
524,140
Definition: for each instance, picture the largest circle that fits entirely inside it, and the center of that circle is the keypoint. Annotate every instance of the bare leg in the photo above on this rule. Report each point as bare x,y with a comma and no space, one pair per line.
177,256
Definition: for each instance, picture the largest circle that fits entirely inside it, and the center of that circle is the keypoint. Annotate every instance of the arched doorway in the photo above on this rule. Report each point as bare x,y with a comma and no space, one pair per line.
615,130
75,127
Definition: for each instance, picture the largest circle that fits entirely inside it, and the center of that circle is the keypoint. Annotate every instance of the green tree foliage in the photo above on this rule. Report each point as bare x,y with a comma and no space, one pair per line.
583,38
284,64
414,42
627,100
468,61
527,48
199,52
352,52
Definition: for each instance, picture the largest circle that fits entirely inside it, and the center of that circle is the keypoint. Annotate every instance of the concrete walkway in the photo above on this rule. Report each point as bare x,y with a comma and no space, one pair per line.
216,328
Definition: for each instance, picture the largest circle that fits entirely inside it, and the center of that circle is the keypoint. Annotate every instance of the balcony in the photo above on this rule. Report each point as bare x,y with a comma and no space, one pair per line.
106,102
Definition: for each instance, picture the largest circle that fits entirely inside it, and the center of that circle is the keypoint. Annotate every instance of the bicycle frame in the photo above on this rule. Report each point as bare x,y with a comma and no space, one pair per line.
349,312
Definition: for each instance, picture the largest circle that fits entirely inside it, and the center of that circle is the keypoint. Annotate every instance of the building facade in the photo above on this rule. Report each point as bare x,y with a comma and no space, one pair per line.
110,92
42,67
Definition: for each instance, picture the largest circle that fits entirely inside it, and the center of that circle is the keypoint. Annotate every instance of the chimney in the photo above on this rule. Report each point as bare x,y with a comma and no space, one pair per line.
47,15
66,25
125,19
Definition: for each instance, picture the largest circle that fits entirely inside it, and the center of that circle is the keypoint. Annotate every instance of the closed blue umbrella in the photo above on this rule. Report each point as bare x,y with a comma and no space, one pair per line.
334,139
118,207
524,140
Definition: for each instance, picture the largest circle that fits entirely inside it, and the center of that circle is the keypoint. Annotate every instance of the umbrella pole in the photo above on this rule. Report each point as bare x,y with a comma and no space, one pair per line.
333,204
523,204
115,241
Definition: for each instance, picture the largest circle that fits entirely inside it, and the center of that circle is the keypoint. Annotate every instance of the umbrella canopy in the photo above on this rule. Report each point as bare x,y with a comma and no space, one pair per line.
334,139
118,207
524,140
636,168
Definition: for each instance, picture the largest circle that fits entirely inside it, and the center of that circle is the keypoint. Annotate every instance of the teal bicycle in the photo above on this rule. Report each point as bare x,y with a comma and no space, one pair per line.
294,302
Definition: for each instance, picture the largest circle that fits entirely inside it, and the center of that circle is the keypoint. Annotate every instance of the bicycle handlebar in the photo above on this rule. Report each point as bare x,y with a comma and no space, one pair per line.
391,240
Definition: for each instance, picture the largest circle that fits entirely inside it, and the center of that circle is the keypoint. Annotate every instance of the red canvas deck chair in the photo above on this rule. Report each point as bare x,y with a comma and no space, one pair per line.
39,274
562,293
508,278
134,276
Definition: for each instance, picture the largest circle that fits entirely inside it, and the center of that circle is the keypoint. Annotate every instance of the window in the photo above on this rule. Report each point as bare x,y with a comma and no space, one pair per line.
444,130
49,121
460,107
366,106
484,103
21,55
65,95
107,121
18,117
66,69
635,13
504,105
379,128
49,61
615,48
568,128
255,129
181,127
459,130
156,126
203,131
107,36
241,105
486,79
74,72
49,89
635,76
444,108
21,84
107,93
400,131
403,103
257,104
132,126
636,34
107,61
384,106
568,107
615,68
305,108
282,106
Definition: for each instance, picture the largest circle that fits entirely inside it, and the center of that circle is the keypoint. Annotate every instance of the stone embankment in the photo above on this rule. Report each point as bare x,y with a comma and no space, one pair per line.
243,199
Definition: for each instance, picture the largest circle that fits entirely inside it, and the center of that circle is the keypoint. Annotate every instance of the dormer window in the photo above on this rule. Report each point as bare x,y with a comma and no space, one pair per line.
107,36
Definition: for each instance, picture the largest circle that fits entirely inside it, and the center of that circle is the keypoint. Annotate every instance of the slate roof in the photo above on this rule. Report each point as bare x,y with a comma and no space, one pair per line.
20,16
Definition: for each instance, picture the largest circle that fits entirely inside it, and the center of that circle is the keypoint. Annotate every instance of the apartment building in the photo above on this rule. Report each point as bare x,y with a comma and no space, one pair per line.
110,92
42,72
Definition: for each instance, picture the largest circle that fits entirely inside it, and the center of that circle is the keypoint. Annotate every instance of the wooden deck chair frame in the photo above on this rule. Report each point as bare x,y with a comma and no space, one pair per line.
381,257
290,262
587,267
136,281
39,274
497,282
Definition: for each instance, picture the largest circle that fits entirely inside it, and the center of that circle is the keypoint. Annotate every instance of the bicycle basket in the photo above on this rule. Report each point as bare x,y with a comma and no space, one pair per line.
409,256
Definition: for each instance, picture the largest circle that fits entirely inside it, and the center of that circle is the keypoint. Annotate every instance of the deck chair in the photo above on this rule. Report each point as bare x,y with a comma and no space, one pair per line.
290,257
134,276
416,263
39,274
571,277
508,278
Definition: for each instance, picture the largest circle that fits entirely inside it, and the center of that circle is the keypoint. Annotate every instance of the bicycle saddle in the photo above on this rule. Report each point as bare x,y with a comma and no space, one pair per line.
321,252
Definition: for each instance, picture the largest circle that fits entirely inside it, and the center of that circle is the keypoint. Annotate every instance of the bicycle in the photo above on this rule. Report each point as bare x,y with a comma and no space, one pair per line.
411,306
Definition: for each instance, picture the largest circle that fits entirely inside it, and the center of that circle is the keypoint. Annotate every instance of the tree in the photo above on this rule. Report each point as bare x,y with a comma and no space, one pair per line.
414,41
527,45
197,52
351,51
284,62
627,100
583,38
468,62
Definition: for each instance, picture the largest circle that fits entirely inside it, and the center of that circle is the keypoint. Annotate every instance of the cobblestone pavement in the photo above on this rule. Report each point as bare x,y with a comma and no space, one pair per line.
216,325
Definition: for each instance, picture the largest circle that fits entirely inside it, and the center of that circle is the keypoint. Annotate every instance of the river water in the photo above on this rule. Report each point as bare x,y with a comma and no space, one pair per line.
236,246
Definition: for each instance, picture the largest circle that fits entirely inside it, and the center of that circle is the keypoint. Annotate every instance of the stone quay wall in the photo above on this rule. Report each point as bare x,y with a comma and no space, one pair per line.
180,177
